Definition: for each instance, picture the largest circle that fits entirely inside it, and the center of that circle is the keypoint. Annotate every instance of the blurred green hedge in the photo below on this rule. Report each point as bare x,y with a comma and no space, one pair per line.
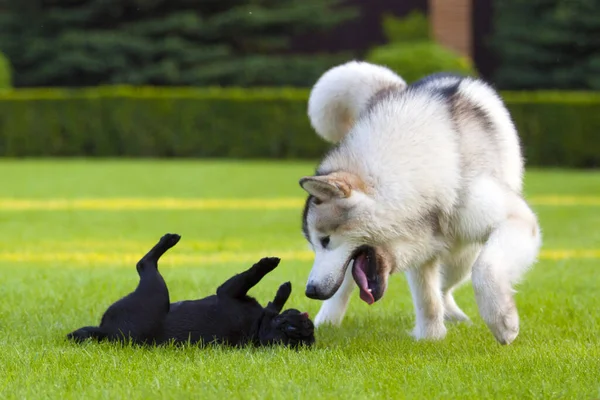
5,73
557,128
155,122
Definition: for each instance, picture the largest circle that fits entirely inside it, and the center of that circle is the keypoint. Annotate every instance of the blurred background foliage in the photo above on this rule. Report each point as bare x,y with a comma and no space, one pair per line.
214,78
412,52
165,42
547,44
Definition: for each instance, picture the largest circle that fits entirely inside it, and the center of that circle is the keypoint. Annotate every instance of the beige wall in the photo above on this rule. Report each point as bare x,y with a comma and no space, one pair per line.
451,24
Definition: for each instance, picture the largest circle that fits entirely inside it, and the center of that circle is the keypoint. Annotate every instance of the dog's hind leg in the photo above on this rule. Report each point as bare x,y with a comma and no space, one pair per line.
282,296
87,332
239,285
510,249
140,315
333,310
150,260
147,268
425,287
456,269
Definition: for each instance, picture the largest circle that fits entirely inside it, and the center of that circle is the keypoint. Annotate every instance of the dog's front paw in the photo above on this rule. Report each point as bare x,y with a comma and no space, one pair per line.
324,318
504,325
453,313
456,316
501,316
429,331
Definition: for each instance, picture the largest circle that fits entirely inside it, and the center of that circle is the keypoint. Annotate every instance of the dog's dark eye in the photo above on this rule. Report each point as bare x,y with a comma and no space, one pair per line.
291,328
325,241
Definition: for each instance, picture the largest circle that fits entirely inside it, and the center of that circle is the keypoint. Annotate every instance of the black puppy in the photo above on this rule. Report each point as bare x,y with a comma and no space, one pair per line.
230,317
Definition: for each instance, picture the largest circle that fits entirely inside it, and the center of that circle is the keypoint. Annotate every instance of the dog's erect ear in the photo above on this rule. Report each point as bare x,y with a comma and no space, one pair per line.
324,189
335,185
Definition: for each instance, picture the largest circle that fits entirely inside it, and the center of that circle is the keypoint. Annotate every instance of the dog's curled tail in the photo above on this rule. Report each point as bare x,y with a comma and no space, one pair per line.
343,92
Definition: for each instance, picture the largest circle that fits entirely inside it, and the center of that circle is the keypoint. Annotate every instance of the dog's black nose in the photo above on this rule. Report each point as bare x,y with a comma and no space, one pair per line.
311,292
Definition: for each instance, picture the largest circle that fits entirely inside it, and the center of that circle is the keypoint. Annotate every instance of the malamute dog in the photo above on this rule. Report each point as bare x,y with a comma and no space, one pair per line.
425,179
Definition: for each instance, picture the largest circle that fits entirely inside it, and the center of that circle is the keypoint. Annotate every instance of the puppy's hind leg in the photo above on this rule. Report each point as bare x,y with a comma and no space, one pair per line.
150,260
239,285
333,310
147,267
140,315
511,248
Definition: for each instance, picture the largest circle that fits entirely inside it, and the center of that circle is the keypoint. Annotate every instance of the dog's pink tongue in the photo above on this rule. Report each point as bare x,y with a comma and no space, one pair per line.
360,277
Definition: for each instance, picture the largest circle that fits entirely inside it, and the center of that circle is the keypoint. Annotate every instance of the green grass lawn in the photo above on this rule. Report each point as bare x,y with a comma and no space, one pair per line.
62,267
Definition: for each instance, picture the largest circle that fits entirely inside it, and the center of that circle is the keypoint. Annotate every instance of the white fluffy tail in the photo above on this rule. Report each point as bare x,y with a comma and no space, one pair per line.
343,92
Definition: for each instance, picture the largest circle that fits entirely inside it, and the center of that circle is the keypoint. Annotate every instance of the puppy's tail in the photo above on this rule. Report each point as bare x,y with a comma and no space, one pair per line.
343,92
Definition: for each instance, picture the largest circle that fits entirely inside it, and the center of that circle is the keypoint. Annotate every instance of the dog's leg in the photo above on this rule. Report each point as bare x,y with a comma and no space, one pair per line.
150,260
425,287
282,296
87,332
151,281
510,250
140,314
333,310
456,269
238,285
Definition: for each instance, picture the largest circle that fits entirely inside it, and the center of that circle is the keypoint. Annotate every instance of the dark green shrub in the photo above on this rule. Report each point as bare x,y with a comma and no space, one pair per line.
5,73
66,43
415,60
547,44
414,27
152,122
411,53
556,128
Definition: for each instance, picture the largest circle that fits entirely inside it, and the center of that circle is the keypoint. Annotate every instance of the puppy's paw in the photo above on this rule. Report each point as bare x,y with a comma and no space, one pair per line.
169,240
269,263
285,290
